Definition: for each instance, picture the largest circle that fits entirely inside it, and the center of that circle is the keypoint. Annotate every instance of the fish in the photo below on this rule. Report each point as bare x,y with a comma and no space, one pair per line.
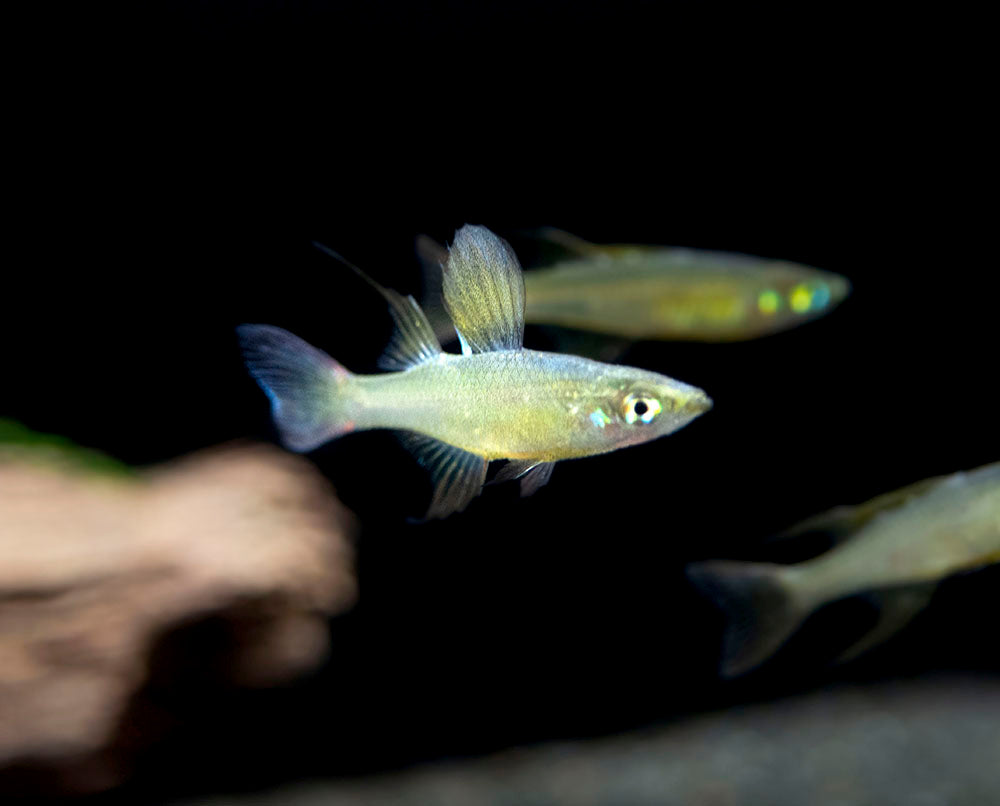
665,293
457,413
896,548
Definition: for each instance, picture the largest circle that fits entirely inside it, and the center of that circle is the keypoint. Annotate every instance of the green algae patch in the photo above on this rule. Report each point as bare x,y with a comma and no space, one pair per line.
17,442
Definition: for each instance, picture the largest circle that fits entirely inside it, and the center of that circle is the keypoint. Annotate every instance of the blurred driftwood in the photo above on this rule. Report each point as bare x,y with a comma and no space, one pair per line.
95,568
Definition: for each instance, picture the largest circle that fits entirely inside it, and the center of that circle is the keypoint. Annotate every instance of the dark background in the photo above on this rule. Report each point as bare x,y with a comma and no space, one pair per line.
175,163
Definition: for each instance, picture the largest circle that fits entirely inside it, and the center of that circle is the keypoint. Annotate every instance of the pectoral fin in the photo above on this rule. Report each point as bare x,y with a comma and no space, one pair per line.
533,474
457,475
484,291
536,478
897,608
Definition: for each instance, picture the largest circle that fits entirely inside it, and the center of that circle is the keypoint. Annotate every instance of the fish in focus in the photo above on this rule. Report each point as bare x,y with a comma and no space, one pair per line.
896,547
496,400
648,292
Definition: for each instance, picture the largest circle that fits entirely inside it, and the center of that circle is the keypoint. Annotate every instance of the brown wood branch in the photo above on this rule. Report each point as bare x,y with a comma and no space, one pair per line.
94,570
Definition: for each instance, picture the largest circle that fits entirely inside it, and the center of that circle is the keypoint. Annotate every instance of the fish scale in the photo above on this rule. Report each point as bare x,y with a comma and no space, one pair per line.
504,405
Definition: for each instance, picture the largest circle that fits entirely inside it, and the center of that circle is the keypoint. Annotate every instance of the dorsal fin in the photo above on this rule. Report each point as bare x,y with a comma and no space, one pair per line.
841,523
558,246
484,291
413,340
572,244
432,257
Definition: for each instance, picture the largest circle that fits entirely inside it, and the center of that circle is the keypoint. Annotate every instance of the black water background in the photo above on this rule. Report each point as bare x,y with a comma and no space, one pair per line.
178,163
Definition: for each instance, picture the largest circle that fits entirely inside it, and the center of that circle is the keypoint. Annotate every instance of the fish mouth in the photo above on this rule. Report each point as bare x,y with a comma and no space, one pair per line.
838,287
698,404
841,288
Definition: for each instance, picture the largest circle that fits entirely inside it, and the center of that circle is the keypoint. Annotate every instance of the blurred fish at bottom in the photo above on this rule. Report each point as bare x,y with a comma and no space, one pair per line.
659,292
897,547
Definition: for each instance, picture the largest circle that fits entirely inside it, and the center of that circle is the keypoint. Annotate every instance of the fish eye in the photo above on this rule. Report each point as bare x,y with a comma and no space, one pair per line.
641,409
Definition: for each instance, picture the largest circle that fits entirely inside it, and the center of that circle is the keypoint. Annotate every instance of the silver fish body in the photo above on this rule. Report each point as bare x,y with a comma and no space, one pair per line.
680,294
508,404
496,400
896,548
953,526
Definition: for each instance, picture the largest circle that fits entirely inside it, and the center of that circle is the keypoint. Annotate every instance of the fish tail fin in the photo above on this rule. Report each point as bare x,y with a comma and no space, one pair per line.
761,605
306,387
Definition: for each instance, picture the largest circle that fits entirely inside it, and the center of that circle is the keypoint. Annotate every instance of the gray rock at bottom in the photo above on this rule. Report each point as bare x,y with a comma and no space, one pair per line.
933,742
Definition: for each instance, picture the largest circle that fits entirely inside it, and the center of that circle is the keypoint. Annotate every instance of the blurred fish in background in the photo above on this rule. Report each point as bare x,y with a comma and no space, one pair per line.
495,401
658,292
896,547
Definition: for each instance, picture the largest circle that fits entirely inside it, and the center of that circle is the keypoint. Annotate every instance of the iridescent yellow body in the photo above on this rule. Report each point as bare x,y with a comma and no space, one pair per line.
521,404
495,401
642,292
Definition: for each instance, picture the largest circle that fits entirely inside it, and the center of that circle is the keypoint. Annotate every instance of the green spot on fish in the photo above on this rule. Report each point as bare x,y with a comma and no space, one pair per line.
769,301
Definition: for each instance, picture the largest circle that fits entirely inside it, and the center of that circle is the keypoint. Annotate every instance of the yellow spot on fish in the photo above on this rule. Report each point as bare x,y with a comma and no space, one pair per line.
769,301
801,298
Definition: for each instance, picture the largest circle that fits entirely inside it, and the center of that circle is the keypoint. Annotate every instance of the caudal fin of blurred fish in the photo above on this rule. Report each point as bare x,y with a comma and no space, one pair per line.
761,605
306,387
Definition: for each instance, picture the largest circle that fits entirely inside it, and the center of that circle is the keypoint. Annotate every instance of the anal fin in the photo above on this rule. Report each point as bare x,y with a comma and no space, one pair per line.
457,475
897,608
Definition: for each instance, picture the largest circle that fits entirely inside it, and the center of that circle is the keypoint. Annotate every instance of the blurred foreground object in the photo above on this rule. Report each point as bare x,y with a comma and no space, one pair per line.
661,292
895,548
932,742
96,567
